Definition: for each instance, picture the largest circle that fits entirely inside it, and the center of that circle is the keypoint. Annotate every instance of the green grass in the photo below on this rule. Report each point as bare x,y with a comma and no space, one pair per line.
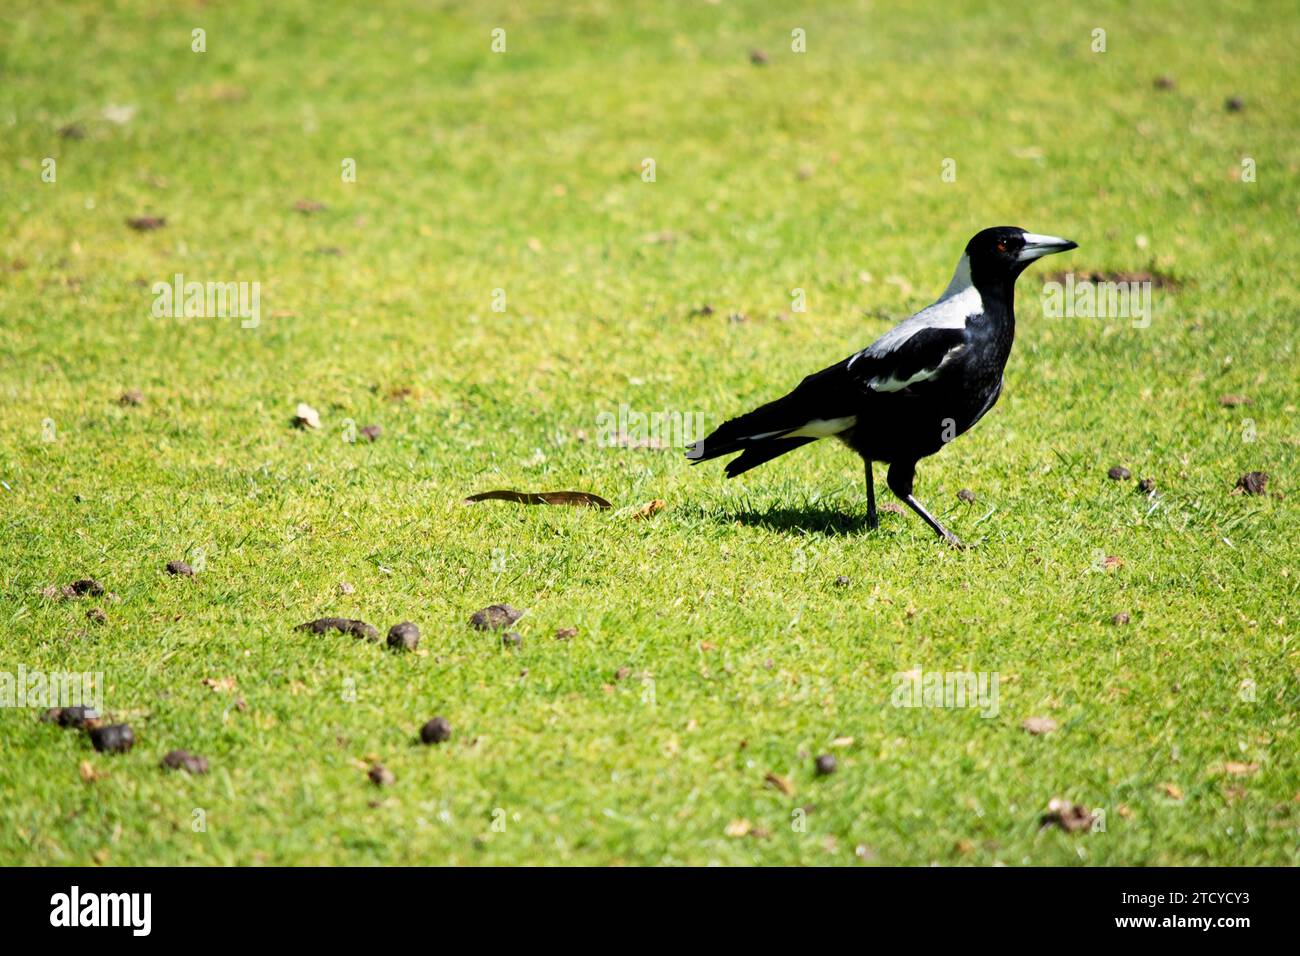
521,171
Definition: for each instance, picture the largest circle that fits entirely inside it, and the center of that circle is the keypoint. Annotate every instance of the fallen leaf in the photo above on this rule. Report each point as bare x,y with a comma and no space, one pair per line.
1172,790
541,498
221,685
778,782
146,223
648,509
1240,769
119,114
1039,725
306,417
739,828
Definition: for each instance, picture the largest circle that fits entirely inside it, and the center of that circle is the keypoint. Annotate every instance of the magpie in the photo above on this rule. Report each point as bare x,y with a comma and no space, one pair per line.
914,389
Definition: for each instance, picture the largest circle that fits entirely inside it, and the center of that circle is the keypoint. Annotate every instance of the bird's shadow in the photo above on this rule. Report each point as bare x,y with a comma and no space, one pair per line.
810,520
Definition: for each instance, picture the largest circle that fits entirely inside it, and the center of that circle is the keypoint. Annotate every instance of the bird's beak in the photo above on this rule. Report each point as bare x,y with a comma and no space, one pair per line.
1037,246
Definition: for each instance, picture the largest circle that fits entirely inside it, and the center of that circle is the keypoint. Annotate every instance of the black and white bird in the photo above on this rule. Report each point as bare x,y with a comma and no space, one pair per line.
914,389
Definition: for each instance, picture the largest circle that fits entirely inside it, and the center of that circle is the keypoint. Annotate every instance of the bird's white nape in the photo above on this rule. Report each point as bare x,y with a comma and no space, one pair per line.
961,280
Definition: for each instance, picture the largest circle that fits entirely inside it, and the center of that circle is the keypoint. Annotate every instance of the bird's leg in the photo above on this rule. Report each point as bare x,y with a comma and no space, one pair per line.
900,480
873,522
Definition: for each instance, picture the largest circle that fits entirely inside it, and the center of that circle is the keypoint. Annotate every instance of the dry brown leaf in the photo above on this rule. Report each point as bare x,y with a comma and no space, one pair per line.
648,509
1172,790
739,828
541,498
778,782
220,684
304,416
1240,769
1039,725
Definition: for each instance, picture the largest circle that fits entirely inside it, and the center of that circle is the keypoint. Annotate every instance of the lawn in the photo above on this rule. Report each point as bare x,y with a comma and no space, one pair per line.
498,279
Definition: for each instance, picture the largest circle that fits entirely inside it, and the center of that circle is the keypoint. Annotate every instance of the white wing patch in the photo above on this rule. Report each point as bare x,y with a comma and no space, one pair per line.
887,383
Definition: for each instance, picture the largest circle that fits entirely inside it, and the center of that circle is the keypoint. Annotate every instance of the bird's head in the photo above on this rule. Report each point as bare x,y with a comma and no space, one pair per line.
1003,252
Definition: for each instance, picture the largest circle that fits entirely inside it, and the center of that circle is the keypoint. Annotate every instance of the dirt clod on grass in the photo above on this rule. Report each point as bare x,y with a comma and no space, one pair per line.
112,738
87,586
404,636
371,432
494,617
436,731
1158,280
565,633
1147,486
1070,817
825,765
78,718
1120,618
132,396
184,760
343,625
180,568
1038,725
1119,473
1252,483
842,581
146,223
381,776
512,639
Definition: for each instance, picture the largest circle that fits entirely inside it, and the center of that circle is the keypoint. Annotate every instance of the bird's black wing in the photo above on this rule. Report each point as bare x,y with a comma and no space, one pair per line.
909,362
829,402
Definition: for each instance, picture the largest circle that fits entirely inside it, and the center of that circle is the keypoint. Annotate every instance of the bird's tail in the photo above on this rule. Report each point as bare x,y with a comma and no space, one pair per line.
756,434
762,451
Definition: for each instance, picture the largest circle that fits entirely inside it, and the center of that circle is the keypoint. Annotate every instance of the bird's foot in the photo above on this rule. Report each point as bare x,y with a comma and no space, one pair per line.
873,520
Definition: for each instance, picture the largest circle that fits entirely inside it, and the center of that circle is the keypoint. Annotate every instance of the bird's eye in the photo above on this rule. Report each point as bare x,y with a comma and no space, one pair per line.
1002,247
